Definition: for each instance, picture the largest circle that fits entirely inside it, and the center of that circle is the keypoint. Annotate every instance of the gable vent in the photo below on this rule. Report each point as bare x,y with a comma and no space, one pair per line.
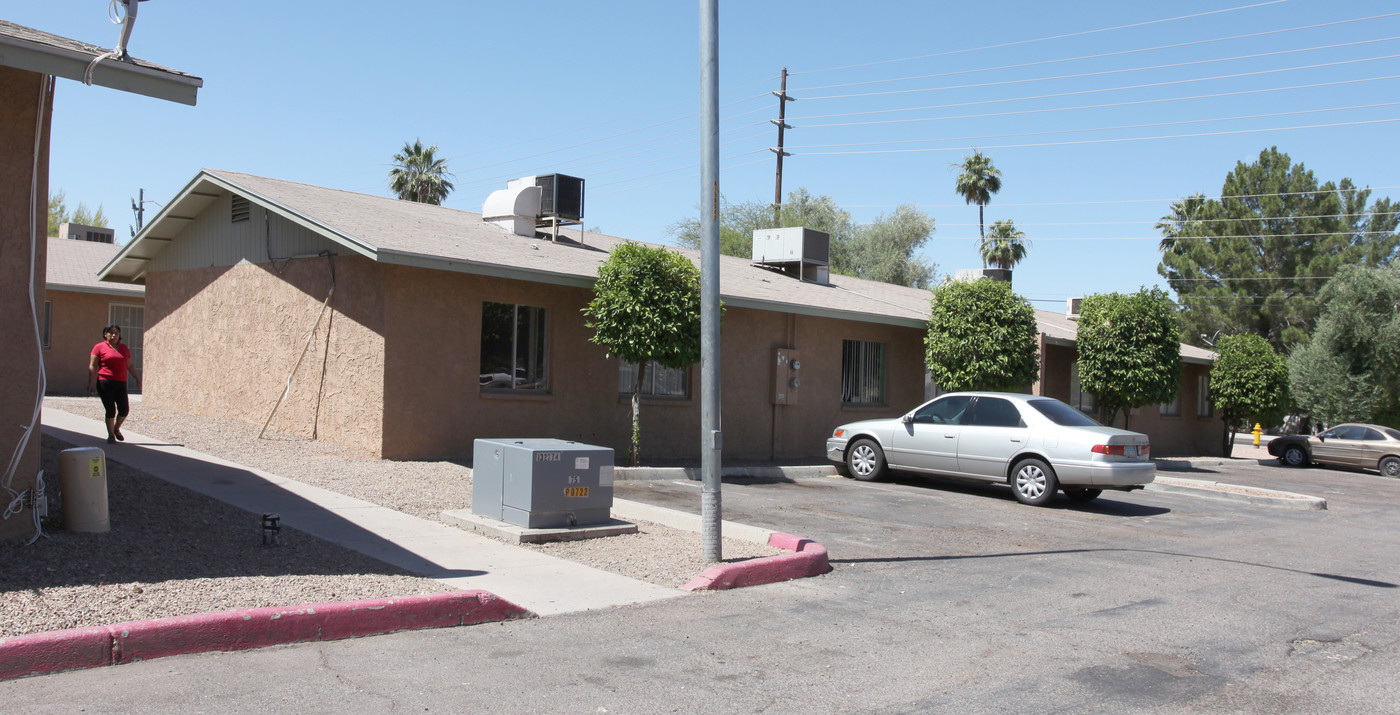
240,210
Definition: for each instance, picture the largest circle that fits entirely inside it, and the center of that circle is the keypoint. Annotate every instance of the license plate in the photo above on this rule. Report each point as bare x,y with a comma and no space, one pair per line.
575,491
1130,451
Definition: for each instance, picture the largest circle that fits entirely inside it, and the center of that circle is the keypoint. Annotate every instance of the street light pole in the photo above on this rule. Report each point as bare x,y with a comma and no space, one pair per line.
710,442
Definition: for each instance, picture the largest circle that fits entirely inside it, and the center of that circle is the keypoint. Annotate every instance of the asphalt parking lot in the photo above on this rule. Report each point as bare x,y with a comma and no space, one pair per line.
943,596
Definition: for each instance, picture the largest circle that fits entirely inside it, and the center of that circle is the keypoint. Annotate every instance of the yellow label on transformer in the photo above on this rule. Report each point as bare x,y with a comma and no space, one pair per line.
95,467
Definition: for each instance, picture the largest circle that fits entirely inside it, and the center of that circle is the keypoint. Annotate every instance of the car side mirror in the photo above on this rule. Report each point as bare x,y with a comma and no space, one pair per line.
907,419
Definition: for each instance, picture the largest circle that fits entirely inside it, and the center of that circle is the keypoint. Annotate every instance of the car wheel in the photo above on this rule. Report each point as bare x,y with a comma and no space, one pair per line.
1083,495
865,460
1034,482
1295,456
1390,467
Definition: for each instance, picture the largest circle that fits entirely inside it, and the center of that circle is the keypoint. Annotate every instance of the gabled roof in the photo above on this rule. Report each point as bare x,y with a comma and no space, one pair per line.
399,232
73,266
38,51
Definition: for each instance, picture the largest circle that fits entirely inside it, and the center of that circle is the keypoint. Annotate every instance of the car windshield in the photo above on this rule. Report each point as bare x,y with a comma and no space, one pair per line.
1062,414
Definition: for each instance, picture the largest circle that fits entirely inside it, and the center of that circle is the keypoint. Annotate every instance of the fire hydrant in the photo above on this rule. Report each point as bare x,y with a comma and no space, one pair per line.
1257,431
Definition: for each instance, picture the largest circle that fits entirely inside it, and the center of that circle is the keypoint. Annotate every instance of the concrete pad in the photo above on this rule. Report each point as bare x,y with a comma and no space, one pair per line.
524,535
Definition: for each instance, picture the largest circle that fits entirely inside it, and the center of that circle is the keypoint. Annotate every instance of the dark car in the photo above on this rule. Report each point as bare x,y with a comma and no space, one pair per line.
1348,445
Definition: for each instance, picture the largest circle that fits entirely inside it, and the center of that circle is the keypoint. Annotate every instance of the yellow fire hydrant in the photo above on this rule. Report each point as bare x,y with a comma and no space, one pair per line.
1257,431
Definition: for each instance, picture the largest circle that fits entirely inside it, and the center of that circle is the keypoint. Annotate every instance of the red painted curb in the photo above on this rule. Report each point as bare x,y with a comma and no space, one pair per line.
246,628
808,559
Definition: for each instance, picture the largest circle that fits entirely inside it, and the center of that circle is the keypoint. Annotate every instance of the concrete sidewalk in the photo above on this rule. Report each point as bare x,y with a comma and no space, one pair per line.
544,584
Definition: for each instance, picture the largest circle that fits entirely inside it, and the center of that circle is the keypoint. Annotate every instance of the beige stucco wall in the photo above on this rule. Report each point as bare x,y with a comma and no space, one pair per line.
223,341
21,101
435,407
76,326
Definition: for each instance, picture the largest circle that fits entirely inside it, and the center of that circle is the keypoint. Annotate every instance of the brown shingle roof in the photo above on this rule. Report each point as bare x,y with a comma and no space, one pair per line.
73,265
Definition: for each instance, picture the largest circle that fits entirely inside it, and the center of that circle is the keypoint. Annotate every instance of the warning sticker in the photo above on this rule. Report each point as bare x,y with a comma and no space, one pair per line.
95,467
580,462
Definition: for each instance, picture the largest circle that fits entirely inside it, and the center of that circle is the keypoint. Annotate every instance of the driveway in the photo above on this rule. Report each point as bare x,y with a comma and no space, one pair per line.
943,596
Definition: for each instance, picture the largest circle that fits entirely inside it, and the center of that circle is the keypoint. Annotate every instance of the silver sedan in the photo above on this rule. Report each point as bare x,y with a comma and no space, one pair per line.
1037,445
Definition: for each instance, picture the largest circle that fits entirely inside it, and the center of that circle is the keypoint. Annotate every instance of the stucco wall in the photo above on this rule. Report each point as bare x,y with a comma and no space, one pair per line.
435,406
223,341
21,102
75,327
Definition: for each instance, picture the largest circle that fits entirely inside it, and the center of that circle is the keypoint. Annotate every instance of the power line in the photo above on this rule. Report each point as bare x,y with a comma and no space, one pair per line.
1042,39
1024,65
1297,217
1102,129
981,85
1184,238
1135,201
1101,141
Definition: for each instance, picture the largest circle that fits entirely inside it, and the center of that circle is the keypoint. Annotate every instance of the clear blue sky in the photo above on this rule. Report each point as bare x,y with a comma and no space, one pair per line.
326,92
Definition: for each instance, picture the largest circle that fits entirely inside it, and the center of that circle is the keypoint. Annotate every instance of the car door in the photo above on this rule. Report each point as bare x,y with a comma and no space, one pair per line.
1370,449
1339,445
928,441
992,435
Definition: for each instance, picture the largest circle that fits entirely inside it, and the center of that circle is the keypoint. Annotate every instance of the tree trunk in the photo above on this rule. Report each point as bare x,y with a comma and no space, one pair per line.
1229,446
982,235
636,455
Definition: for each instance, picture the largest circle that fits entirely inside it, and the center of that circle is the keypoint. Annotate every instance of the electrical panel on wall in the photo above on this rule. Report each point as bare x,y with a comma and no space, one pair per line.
787,381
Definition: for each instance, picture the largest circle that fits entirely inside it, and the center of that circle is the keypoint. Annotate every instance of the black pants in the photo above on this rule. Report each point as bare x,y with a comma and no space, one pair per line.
113,394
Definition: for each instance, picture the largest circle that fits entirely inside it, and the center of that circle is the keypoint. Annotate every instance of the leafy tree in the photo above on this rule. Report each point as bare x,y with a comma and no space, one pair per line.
419,175
1005,245
976,183
1249,383
1350,369
981,336
646,308
1128,351
1254,260
883,250
59,214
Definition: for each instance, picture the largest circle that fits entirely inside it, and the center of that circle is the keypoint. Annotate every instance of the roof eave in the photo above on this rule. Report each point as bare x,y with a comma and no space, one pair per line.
111,73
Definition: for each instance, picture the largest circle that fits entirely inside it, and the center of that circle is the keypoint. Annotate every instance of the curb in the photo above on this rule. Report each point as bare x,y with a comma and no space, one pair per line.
694,474
243,629
808,559
1232,492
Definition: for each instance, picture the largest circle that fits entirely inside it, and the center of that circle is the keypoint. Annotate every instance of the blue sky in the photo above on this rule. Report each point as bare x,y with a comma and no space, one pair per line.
1098,115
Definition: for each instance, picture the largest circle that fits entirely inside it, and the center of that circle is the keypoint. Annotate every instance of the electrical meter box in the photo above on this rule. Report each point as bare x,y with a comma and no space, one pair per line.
542,483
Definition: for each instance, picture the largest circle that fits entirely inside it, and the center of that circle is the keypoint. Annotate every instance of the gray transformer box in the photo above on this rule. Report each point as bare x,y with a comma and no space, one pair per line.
542,483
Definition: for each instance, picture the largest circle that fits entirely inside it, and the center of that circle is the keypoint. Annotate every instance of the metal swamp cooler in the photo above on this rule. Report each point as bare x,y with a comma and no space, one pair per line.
542,483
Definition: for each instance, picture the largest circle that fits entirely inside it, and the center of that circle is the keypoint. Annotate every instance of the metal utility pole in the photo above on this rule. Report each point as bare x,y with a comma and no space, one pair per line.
139,207
710,442
783,99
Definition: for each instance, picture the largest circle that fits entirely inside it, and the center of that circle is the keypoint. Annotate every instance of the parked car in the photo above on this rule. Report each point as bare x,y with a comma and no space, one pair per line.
1348,445
1037,445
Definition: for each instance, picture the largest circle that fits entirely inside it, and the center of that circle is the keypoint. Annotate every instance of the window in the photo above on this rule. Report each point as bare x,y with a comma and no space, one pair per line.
514,347
659,381
1062,414
862,372
48,322
1078,399
944,411
1204,408
995,412
132,319
1173,408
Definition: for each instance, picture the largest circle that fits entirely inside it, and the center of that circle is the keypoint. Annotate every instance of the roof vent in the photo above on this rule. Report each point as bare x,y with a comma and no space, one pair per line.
531,202
81,232
239,209
797,251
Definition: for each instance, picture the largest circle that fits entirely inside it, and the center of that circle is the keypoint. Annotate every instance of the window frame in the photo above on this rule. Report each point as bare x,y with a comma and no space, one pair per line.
1078,398
854,393
626,378
528,384
1170,409
1204,407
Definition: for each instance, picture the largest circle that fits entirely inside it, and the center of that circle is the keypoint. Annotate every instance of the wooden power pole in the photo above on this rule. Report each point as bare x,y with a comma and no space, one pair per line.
783,99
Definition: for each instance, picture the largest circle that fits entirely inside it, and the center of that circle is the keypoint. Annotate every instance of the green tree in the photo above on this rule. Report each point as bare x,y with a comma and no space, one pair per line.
977,181
1005,245
59,214
1350,369
1128,351
646,308
419,175
981,336
1254,260
884,250
1249,383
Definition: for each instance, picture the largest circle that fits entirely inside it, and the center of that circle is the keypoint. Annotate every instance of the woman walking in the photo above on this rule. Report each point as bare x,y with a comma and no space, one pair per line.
107,371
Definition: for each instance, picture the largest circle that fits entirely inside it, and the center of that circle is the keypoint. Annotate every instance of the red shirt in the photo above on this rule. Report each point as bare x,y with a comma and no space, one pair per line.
111,363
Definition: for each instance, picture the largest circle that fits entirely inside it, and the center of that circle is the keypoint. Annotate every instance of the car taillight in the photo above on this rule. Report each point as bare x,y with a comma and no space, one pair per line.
1109,449
1122,450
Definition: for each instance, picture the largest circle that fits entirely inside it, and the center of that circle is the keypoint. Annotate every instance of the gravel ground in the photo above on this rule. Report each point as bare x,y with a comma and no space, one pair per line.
174,552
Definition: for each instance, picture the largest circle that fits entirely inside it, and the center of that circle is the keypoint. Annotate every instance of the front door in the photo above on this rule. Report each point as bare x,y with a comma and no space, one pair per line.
929,440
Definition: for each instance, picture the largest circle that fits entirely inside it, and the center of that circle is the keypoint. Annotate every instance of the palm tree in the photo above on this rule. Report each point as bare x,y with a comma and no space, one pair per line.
1183,221
419,176
1005,245
976,184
